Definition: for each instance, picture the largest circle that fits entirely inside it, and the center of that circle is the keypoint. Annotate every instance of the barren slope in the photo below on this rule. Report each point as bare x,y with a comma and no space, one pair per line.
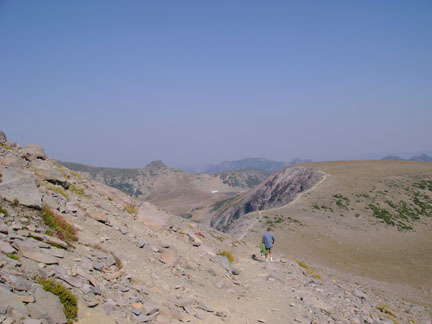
372,218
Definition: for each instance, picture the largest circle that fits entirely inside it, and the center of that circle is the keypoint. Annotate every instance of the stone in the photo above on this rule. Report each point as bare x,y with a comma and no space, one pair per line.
169,257
98,216
74,282
27,299
20,185
3,138
141,243
47,171
98,265
360,294
151,216
31,321
21,284
50,239
149,308
4,229
111,260
38,256
49,306
204,307
32,152
143,318
13,303
6,248
226,264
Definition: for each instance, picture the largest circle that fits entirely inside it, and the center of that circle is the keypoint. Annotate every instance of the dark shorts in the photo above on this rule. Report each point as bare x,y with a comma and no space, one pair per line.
268,251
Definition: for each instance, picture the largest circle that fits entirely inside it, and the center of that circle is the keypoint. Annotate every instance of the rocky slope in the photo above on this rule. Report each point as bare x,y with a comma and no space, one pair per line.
134,263
182,193
278,190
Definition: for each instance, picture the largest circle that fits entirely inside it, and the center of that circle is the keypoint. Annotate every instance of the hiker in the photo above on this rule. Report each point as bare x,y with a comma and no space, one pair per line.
268,239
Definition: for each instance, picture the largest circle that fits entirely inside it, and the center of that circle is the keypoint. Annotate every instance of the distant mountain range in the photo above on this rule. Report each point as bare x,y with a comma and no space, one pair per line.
419,158
250,163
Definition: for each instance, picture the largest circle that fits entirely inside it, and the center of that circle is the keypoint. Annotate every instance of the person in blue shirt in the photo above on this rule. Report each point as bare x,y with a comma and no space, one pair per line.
268,239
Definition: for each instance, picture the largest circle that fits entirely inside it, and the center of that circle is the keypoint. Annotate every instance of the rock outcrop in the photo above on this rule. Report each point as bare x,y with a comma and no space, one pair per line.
20,186
278,190
3,138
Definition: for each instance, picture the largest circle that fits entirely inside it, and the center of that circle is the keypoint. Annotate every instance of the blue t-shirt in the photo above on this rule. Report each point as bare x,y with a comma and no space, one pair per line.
268,239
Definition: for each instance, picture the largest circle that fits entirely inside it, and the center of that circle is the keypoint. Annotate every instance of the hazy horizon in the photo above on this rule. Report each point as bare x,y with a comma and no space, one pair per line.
120,84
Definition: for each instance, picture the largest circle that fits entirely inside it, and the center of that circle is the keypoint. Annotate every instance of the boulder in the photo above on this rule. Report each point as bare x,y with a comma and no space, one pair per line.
38,256
226,264
98,216
6,248
169,257
47,171
3,138
13,303
50,307
152,216
21,185
32,152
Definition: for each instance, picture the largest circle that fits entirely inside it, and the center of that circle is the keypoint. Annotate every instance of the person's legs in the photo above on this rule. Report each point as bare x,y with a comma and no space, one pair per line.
267,253
271,255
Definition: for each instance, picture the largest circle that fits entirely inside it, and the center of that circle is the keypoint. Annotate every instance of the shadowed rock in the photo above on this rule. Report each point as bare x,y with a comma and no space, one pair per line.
32,152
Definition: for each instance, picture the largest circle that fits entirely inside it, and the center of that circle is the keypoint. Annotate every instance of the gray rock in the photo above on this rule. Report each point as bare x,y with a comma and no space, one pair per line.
6,248
20,185
38,256
3,138
141,243
31,321
4,229
97,265
226,264
21,284
143,318
169,257
110,260
150,307
49,306
32,152
47,171
13,304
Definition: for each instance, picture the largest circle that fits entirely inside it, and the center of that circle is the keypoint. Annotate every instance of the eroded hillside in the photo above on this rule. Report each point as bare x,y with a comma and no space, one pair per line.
184,194
281,188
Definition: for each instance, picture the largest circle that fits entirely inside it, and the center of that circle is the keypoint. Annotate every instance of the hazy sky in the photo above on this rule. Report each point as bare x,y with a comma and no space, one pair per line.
121,83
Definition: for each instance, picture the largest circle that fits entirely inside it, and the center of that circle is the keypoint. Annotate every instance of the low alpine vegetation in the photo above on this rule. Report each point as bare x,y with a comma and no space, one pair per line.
69,301
228,255
60,226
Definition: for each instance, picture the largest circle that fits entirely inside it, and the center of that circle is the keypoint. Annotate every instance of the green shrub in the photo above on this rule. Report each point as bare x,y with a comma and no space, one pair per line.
59,190
77,190
130,209
228,255
13,256
61,227
69,301
15,202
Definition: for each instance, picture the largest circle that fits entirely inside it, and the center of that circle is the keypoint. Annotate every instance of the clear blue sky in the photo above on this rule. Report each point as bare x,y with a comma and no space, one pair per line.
121,83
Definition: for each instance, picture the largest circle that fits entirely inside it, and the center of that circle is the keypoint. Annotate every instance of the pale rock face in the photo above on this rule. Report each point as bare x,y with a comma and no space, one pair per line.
21,185
3,138
150,215
32,152
49,172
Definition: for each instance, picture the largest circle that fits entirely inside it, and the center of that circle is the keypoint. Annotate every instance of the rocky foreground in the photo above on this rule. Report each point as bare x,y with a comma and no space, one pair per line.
130,262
